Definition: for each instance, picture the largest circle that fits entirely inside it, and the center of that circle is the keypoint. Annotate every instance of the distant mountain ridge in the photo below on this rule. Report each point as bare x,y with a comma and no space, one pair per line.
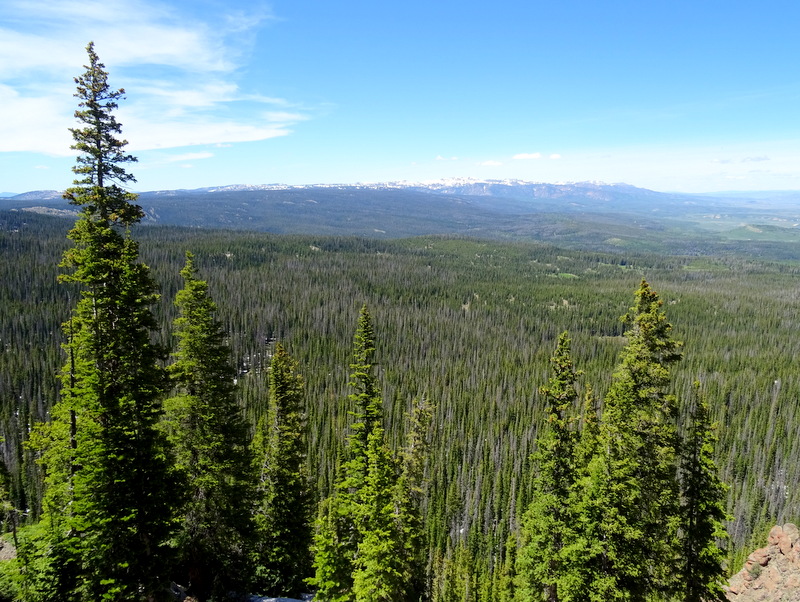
47,195
469,186
586,214
510,188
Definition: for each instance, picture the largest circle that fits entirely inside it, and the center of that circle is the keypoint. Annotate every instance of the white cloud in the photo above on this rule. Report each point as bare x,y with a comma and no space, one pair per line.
126,32
284,117
555,156
440,158
39,124
194,132
491,163
178,72
52,35
174,97
528,156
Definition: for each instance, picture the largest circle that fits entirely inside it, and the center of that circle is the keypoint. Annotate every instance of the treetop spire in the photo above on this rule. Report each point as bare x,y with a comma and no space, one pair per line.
100,166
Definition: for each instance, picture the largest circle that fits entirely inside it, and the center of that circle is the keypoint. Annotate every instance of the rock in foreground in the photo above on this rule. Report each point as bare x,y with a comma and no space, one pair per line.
772,573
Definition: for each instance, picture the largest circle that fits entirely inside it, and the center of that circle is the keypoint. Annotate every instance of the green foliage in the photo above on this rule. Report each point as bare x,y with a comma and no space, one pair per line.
470,324
29,577
702,509
368,534
583,554
208,437
466,322
333,562
101,163
409,494
581,558
378,570
604,521
346,523
366,401
637,473
107,503
283,514
548,522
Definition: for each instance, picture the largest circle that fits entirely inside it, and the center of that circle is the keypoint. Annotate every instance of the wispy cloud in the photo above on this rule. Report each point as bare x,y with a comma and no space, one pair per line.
128,32
491,163
39,124
179,73
555,156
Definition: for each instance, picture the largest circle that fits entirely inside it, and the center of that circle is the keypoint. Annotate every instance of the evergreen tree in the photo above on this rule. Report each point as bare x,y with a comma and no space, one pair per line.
703,509
636,475
108,501
340,526
283,517
362,544
409,493
366,401
209,439
378,573
548,519
391,564
505,576
588,576
334,556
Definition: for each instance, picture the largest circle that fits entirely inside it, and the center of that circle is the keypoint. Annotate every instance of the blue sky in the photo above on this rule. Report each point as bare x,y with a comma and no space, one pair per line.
669,95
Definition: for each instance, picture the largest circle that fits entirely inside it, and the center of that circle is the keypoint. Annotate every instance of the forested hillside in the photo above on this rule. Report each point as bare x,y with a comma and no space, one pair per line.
467,324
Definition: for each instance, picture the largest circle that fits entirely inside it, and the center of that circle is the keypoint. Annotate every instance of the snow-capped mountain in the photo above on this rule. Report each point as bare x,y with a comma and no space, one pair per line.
594,214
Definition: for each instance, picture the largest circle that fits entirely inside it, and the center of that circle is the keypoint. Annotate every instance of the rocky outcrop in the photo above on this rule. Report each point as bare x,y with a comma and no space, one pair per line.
772,573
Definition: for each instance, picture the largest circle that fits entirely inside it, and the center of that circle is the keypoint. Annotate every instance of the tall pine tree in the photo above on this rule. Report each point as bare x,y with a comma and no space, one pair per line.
338,533
586,574
364,545
378,573
409,495
209,438
109,491
702,509
283,515
548,520
635,475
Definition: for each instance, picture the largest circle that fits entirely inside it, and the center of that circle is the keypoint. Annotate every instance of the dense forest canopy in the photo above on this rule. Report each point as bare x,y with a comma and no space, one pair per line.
470,324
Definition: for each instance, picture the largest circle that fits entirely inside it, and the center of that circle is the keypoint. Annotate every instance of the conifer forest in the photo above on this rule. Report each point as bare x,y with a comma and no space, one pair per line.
214,414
